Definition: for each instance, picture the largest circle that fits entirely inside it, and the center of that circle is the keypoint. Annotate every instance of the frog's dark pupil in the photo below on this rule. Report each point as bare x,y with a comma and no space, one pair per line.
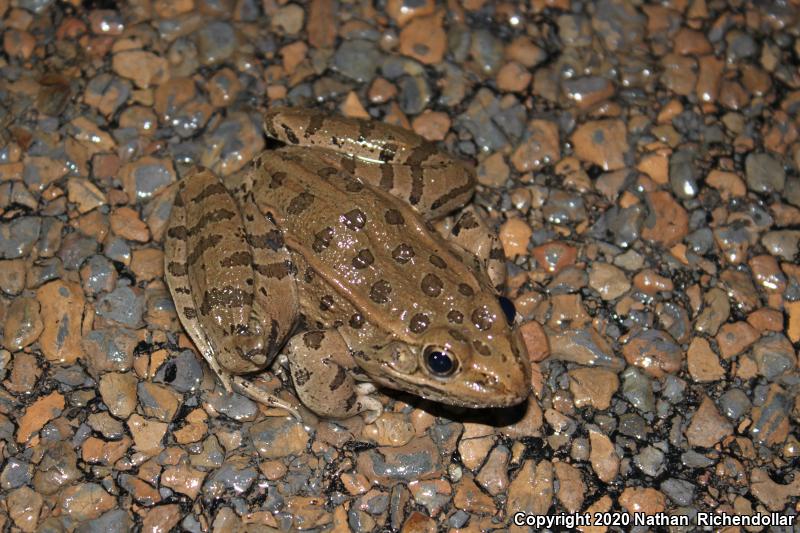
439,362
508,309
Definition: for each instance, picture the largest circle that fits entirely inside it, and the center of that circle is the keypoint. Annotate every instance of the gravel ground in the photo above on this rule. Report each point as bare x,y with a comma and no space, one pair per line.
639,161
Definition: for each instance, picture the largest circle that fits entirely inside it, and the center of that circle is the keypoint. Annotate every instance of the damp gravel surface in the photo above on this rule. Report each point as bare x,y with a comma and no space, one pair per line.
638,160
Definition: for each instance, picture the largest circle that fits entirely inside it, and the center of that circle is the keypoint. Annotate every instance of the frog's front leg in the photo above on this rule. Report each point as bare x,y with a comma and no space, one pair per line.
323,370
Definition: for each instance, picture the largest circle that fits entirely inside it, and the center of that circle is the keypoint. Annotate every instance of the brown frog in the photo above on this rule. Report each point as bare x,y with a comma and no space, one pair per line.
333,230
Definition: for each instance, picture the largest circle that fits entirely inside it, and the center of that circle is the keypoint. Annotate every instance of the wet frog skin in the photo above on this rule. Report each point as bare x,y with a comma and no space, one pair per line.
333,231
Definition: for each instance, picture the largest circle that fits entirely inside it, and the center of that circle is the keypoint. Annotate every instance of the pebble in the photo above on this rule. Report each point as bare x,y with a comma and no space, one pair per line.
604,459
708,426
764,174
702,362
603,143
23,324
609,281
62,305
38,414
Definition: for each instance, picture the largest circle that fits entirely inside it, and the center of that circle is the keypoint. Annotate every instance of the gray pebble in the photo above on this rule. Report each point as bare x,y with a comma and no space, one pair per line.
487,51
638,390
683,174
229,479
782,243
357,59
101,274
124,306
678,490
232,405
117,249
734,403
215,42
16,473
633,425
650,461
182,372
114,521
18,236
693,459
414,94
764,173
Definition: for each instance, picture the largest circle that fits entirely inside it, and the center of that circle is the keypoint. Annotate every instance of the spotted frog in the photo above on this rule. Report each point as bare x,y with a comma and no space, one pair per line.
325,249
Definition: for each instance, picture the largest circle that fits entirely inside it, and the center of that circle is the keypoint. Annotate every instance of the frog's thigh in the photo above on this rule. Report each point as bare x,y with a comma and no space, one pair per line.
470,231
322,371
176,259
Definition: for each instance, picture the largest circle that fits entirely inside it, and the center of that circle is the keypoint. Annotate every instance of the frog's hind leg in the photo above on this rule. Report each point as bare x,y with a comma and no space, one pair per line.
177,273
322,370
470,231
386,156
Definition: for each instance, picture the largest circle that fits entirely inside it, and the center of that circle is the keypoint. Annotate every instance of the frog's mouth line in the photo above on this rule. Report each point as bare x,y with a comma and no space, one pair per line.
396,380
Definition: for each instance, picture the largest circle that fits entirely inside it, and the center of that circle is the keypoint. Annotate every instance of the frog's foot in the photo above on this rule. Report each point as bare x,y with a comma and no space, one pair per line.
471,232
257,394
322,372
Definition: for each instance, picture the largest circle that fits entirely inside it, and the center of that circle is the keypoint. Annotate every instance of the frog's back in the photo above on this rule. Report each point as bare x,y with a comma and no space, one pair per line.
373,253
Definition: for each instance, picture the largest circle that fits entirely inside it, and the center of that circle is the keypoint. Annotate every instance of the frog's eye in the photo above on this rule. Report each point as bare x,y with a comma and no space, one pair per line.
508,309
439,361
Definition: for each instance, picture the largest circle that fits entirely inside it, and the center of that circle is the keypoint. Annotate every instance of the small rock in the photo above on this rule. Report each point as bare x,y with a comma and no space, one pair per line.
279,437
764,173
703,362
602,142
38,414
604,458
708,426
609,281
62,304
119,393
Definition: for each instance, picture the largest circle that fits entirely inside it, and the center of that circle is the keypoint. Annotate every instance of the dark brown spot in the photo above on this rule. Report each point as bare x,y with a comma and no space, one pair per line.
273,239
379,292
277,180
455,317
209,217
431,285
313,339
350,402
437,261
339,378
301,377
363,259
465,189
178,232
322,239
387,177
394,217
237,259
227,296
277,270
355,219
388,152
210,190
419,323
308,275
465,289
206,242
190,312
352,185
290,136
497,253
482,318
176,269
300,203
356,321
272,339
326,302
481,348
403,253
314,124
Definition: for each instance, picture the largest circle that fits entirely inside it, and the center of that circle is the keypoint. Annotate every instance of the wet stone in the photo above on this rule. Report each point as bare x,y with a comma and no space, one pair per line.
278,437
18,236
603,143
708,426
764,173
734,404
774,355
23,324
650,461
356,59
123,306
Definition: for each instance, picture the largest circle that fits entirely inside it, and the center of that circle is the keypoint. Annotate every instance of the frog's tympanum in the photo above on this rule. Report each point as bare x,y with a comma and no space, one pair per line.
333,231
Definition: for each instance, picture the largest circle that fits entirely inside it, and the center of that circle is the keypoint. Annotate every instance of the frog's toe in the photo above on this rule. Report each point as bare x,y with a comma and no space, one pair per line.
371,408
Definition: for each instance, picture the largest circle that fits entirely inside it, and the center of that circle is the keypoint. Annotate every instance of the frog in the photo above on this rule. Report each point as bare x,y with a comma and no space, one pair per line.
339,250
